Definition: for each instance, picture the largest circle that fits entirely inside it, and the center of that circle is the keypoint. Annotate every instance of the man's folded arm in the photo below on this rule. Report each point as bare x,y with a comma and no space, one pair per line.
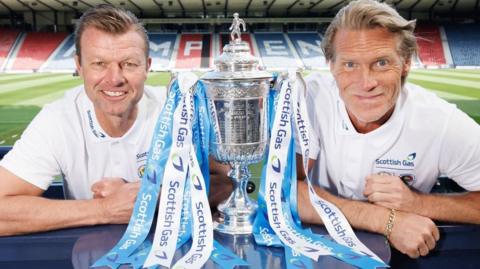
24,210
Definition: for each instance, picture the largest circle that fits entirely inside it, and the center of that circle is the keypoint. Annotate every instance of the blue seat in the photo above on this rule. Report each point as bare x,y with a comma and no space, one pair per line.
463,41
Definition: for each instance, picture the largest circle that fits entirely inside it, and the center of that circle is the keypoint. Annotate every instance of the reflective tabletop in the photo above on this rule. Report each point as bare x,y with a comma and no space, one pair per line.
81,247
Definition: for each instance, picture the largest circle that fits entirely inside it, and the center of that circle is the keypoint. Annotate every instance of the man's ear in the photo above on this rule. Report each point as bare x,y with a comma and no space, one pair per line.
406,67
78,66
149,63
330,65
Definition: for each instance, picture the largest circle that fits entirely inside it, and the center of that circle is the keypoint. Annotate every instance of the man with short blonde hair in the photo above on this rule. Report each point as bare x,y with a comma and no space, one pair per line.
109,19
97,136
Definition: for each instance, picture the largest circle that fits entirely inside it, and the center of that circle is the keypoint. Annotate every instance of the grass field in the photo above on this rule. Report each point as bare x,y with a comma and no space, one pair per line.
22,95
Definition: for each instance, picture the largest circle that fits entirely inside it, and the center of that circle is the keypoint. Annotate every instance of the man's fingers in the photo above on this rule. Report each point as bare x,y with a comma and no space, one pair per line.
430,242
379,188
413,254
96,186
379,179
423,249
380,197
436,233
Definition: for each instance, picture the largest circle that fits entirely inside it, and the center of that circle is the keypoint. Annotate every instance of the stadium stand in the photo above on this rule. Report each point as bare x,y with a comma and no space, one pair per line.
7,40
274,49
463,40
36,48
62,57
430,49
308,48
53,52
194,51
162,47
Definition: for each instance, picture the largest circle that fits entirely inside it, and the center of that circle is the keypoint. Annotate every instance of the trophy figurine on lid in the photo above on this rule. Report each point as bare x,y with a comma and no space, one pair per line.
237,101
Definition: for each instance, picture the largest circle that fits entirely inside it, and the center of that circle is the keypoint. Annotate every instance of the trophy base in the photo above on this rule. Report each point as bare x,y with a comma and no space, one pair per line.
235,225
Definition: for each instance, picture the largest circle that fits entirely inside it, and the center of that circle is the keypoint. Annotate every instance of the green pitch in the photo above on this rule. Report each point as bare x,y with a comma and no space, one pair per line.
22,95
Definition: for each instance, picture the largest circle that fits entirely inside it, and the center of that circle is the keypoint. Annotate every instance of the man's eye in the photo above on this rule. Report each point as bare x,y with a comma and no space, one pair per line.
99,64
129,64
349,65
382,62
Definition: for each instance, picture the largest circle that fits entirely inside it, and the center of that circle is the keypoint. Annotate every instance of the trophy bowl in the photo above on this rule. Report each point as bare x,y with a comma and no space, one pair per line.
237,101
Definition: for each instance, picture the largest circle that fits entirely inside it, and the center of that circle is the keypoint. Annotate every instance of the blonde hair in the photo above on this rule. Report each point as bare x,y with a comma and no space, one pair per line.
369,14
109,19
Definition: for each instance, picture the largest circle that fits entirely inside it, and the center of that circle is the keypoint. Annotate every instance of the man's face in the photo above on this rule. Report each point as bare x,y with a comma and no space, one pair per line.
368,71
114,69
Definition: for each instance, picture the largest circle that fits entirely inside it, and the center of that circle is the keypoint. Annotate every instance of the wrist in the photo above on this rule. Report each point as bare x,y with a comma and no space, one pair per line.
390,224
101,211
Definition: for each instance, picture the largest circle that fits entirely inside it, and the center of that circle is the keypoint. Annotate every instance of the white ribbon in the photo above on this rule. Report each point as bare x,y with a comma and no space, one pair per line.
171,197
334,220
202,236
278,149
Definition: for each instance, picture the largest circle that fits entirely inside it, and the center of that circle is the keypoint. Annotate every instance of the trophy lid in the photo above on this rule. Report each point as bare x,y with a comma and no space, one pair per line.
236,61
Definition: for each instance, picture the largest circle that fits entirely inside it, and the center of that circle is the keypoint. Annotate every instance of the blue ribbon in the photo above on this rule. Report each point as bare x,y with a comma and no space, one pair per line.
146,202
137,259
296,260
225,258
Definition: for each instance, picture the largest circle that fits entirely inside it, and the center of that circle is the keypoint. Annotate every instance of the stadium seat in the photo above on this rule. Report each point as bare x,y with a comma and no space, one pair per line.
308,49
161,50
463,40
35,49
194,51
7,39
62,59
430,49
275,51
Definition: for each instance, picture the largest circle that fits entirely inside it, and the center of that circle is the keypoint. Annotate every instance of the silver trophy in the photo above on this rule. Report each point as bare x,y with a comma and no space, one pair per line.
237,97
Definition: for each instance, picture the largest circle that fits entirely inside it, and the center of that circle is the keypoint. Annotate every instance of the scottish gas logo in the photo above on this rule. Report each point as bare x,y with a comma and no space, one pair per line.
408,162
276,166
177,162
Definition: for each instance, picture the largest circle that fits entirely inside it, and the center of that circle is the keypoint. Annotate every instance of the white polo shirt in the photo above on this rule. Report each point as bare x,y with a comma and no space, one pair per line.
66,139
425,137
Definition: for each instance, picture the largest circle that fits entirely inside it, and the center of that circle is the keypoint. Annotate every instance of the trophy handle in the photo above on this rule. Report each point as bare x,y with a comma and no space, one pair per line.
238,211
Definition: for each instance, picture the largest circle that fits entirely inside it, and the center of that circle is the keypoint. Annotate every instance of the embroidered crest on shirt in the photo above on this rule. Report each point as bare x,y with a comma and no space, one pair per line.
141,161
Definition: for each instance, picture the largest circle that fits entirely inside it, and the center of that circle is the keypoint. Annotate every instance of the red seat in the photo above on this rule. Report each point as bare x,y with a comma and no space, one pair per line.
36,48
430,48
7,39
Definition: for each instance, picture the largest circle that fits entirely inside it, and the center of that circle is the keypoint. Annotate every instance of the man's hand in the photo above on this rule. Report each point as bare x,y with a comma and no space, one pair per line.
106,186
117,199
413,235
390,192
220,185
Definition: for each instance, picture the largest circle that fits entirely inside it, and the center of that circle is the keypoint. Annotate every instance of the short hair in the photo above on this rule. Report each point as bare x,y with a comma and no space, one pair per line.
369,14
109,19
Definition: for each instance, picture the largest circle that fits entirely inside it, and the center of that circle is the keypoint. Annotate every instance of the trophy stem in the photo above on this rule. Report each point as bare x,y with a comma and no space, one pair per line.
238,211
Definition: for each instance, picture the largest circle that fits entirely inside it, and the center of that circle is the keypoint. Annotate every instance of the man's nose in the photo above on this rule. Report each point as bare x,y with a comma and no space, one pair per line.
367,79
114,75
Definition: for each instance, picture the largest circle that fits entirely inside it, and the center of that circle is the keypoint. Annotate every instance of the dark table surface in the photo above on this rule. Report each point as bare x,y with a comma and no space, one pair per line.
459,247
81,247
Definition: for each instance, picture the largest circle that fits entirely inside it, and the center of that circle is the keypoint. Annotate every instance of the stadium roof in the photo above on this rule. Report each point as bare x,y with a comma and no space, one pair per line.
246,8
